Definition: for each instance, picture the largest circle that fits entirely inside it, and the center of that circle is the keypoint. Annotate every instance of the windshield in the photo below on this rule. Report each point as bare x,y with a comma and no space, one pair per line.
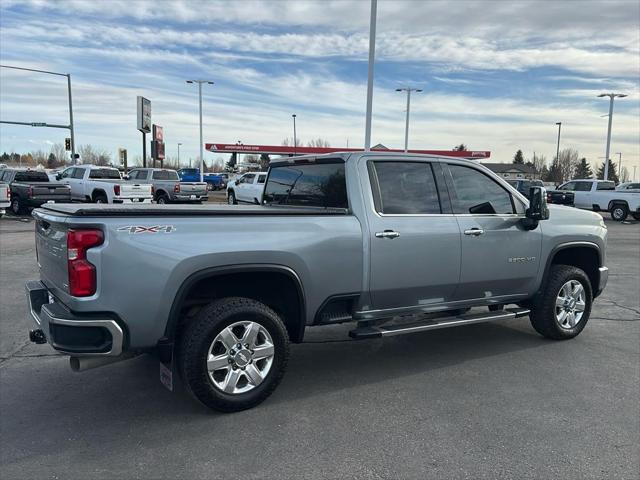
314,185
110,173
31,176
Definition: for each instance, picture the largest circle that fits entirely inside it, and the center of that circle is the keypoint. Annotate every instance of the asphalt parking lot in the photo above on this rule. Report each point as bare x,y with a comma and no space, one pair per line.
481,401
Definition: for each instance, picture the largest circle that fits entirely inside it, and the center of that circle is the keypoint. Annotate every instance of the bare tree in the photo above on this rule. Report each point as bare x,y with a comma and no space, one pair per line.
88,154
460,148
567,163
624,174
288,142
539,162
319,143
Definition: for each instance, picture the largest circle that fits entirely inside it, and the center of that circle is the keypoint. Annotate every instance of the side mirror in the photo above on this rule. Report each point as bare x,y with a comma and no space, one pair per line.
126,177
538,209
58,176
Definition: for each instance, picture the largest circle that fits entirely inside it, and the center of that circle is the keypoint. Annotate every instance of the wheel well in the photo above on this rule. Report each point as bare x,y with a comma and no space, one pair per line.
276,289
159,193
613,203
585,258
98,193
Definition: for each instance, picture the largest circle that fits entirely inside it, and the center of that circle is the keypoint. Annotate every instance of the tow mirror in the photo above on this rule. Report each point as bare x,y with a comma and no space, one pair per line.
126,177
58,176
538,209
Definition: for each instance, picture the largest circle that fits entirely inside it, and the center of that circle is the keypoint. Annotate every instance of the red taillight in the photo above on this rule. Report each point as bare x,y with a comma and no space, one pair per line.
153,190
82,274
29,191
8,193
176,188
116,189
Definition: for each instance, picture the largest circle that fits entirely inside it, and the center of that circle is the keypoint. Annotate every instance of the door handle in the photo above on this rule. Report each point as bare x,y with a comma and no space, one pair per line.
387,234
474,232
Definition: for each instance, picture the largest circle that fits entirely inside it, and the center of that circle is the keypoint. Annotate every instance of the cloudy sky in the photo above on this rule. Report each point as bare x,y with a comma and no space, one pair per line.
495,75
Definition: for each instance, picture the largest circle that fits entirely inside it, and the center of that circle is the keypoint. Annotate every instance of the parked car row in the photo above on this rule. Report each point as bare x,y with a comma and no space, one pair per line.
214,181
5,197
167,186
602,196
31,188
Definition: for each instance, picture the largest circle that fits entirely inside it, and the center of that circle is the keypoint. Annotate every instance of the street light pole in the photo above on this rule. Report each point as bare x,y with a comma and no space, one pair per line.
619,163
200,82
558,147
406,127
372,55
179,154
295,139
611,97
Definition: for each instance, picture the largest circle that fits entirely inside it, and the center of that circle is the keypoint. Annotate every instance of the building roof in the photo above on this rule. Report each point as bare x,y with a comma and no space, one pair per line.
510,167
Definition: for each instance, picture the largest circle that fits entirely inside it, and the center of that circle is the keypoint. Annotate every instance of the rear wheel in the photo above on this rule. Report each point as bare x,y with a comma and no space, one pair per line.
636,216
234,354
162,199
562,309
100,198
619,212
16,206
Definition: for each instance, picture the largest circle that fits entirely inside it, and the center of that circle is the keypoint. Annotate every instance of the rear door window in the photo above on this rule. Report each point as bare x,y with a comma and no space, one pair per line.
108,173
605,186
161,175
31,176
311,185
262,178
476,193
404,188
583,186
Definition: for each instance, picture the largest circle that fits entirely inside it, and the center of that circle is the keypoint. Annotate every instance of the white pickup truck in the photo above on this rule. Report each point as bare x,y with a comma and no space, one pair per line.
92,183
247,189
5,198
601,195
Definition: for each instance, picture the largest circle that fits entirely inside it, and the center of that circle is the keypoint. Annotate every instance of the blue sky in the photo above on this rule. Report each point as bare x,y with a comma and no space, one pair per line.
495,75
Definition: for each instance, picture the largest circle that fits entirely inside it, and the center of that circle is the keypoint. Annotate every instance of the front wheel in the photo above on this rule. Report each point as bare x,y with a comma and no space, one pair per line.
561,310
234,354
231,198
16,206
619,212
636,216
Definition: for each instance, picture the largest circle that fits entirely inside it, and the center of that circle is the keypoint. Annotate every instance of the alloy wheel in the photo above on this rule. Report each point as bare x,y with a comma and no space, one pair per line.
570,304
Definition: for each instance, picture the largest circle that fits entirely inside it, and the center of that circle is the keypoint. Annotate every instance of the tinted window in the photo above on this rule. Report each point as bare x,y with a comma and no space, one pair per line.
314,185
261,178
583,186
31,176
474,192
248,178
161,175
570,186
188,171
77,173
606,186
406,188
110,173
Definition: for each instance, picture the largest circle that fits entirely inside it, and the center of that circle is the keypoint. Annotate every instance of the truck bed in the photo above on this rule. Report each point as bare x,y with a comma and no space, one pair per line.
154,210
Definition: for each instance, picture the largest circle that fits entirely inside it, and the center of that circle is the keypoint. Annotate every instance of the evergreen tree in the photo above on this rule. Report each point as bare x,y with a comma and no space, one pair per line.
583,170
518,158
460,148
613,173
52,162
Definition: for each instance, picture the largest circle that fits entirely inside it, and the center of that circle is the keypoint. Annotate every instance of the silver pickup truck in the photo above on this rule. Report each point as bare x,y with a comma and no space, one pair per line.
167,187
395,243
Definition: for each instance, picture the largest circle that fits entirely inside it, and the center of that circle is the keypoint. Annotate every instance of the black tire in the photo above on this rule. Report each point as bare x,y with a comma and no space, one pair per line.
636,216
162,199
619,212
543,308
496,308
198,336
16,206
231,198
100,198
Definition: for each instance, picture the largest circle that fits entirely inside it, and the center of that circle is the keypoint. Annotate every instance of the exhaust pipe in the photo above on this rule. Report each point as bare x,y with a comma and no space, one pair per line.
80,364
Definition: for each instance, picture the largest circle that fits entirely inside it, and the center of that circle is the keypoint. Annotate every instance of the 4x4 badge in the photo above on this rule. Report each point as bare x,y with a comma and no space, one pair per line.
142,229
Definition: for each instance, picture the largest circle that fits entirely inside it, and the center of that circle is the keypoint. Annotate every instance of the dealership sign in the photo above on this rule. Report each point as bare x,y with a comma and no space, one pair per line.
144,114
157,144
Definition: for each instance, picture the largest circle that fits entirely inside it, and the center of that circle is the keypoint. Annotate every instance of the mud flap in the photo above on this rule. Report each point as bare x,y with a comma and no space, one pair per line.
166,374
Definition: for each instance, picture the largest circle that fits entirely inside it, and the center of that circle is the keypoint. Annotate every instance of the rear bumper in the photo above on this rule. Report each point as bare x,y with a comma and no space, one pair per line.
133,200
604,278
188,197
70,333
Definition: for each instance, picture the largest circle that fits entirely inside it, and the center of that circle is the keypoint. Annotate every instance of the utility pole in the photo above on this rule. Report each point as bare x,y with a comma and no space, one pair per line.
406,127
295,139
558,147
611,97
200,82
372,55
619,163
179,154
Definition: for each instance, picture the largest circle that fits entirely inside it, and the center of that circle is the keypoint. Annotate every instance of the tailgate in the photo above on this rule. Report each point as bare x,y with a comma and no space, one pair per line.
135,190
44,191
51,251
194,188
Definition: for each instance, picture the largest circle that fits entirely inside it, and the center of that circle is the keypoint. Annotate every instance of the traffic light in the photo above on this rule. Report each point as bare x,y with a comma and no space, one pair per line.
67,144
